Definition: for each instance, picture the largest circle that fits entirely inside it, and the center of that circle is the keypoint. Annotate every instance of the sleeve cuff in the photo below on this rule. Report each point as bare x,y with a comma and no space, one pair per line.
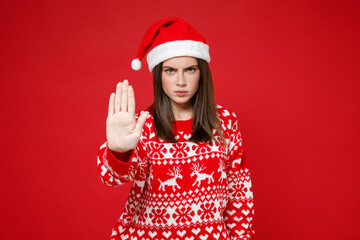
119,162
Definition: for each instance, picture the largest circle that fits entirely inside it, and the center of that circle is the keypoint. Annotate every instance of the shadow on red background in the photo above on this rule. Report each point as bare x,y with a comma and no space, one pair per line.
289,69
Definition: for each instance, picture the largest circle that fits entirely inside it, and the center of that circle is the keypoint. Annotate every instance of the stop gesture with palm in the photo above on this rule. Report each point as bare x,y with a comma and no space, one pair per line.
122,130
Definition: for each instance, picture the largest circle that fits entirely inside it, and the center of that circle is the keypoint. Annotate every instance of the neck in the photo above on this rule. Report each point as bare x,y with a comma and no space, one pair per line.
183,112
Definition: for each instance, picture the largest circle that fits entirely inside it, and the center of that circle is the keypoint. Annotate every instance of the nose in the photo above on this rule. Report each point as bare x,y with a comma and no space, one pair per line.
181,81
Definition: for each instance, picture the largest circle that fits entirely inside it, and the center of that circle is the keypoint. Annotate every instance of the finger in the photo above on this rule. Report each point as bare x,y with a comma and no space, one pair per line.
141,121
111,110
124,96
118,97
131,99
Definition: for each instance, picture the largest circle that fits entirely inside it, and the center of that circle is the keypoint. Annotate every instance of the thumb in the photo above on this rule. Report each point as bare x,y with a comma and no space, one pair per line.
141,121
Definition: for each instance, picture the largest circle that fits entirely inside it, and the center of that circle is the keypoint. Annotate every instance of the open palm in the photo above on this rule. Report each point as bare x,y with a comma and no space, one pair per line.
122,130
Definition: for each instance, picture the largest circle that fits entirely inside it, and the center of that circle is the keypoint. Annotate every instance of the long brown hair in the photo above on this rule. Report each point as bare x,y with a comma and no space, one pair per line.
205,114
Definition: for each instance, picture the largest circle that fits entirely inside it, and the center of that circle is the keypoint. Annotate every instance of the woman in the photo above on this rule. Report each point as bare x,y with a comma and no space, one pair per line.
184,155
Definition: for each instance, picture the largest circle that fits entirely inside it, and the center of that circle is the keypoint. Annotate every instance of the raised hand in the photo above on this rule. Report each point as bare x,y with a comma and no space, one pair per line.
122,130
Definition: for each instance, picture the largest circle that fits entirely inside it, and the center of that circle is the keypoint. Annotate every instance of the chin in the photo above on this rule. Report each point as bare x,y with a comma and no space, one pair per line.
182,102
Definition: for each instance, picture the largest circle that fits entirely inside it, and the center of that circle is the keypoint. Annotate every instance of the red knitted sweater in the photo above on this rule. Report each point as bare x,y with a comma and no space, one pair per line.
183,190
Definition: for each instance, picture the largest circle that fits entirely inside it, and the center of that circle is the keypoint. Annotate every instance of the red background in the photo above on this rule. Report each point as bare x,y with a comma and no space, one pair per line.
289,69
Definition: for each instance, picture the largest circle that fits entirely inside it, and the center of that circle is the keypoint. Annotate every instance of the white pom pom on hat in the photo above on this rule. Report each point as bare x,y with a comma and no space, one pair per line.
168,38
136,64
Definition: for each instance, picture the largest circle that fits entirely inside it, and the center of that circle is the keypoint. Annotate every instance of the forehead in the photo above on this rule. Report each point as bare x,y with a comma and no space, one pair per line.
182,61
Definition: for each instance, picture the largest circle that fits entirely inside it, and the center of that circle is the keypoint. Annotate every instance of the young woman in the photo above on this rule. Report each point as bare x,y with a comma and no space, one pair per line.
184,155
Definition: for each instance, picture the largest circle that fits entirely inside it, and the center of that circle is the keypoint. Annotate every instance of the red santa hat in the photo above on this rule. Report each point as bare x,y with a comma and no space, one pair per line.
168,38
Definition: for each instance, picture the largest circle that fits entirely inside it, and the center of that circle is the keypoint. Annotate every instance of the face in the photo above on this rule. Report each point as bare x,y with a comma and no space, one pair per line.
180,80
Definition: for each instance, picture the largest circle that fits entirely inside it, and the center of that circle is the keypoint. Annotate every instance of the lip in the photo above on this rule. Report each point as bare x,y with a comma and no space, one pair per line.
180,93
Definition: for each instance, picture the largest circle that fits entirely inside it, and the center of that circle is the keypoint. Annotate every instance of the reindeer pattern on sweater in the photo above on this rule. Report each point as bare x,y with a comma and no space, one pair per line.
183,190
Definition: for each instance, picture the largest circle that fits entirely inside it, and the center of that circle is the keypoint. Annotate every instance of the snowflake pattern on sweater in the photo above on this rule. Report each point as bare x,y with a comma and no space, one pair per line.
183,190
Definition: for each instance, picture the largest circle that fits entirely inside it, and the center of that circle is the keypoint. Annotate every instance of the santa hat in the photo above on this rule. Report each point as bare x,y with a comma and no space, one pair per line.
168,38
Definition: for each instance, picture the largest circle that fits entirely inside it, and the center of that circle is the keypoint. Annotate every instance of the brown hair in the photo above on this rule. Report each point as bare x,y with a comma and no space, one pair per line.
205,115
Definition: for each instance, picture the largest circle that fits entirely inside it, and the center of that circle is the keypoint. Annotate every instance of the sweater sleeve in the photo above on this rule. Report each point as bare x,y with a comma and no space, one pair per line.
118,168
239,213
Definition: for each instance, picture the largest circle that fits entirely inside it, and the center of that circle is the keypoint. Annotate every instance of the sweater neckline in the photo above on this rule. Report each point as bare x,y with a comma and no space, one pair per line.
183,125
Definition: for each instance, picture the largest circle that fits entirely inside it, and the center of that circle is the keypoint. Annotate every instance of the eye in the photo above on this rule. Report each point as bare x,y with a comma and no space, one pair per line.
191,69
170,70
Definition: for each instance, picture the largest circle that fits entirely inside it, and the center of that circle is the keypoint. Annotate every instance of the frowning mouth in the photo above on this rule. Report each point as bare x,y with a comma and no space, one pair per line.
180,93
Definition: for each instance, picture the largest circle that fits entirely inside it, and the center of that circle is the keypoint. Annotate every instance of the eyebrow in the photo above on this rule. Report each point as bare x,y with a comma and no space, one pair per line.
192,66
